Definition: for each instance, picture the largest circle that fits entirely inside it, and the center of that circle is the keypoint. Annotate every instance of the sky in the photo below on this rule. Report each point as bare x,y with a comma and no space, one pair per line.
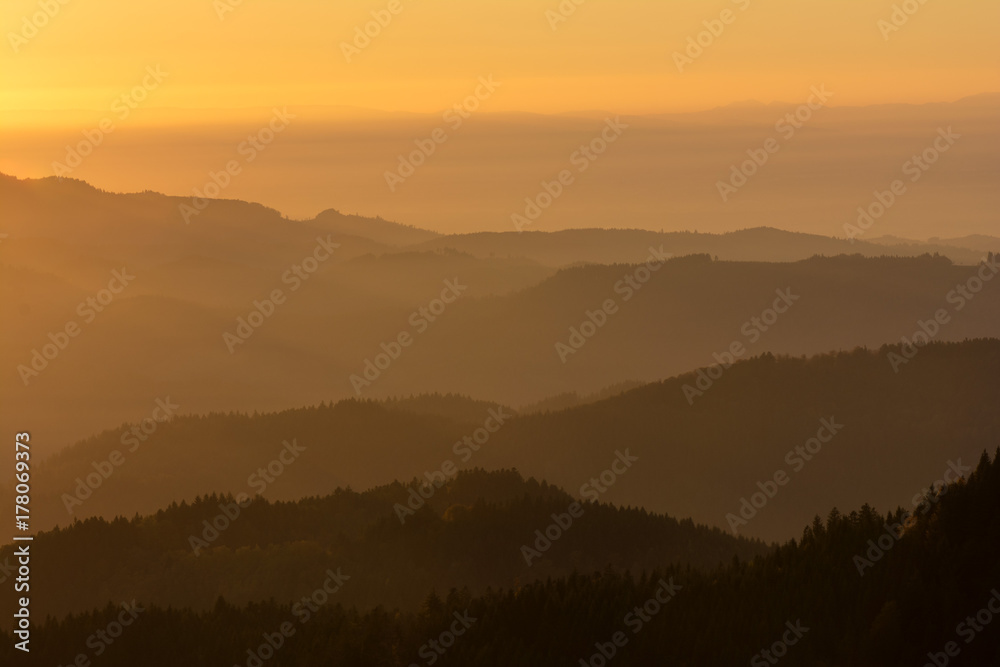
597,55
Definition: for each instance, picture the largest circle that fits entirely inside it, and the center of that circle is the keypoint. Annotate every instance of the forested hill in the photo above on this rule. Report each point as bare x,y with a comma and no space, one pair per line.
397,545
857,589
696,458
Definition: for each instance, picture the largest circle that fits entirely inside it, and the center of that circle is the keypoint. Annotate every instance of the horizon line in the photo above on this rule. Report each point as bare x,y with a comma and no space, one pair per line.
733,105
897,240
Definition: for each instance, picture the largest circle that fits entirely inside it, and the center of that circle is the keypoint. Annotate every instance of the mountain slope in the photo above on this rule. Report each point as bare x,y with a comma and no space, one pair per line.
376,229
696,459
469,533
926,597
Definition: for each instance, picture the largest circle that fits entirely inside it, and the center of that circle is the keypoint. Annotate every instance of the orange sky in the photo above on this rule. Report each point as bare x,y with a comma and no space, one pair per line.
615,55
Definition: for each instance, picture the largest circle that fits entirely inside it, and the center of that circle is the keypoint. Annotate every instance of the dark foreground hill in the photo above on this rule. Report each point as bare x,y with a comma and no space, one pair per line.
476,531
813,422
857,589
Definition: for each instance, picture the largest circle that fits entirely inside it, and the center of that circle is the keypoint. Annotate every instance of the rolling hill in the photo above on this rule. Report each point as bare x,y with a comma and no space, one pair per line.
887,432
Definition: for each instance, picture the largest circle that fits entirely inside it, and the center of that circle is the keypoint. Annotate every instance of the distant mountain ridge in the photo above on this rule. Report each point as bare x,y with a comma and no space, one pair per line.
376,229
38,207
523,295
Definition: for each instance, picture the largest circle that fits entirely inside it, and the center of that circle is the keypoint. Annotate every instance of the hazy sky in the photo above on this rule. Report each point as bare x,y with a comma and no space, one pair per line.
615,55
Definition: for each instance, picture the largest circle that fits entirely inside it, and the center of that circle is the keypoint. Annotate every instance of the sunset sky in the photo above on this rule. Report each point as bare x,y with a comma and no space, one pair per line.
606,55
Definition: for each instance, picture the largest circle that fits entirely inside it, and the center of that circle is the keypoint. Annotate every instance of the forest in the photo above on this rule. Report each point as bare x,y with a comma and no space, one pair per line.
929,596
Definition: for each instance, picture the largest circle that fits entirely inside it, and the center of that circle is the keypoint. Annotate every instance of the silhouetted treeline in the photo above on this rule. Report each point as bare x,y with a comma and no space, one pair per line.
922,595
469,533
